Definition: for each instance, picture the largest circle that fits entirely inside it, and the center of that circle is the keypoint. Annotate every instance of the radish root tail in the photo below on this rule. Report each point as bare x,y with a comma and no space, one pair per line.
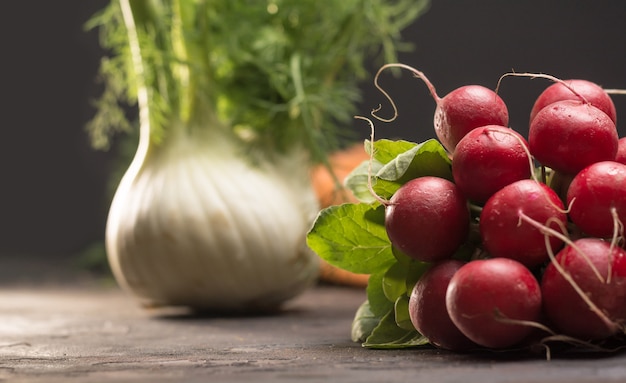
370,186
615,91
547,231
616,240
542,75
416,73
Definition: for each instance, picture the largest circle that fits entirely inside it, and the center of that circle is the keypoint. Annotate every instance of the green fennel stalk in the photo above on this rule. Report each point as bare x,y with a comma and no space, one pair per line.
277,72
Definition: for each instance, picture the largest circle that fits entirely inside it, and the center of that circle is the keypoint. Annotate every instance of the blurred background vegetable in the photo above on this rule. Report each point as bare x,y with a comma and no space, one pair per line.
237,100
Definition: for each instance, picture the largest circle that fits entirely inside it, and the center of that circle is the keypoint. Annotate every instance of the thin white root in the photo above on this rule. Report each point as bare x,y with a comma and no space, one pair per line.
416,73
370,186
576,342
615,91
567,276
542,75
500,317
503,319
579,343
618,236
548,231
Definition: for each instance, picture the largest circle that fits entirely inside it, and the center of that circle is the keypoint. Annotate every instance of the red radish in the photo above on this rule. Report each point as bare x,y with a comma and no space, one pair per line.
489,158
569,135
463,109
491,300
467,108
621,151
596,308
592,194
505,235
427,307
427,218
590,91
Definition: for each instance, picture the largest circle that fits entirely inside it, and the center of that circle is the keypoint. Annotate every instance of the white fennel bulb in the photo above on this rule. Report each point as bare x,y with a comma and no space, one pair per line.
195,223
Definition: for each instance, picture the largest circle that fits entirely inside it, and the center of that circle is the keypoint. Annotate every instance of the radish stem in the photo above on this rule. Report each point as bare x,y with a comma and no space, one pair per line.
542,75
416,73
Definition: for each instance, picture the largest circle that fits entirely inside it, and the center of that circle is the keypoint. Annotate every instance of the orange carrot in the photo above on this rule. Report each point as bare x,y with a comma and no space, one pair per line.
329,192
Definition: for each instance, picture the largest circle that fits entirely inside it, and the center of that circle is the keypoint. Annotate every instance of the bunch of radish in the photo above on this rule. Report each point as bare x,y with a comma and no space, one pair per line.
546,214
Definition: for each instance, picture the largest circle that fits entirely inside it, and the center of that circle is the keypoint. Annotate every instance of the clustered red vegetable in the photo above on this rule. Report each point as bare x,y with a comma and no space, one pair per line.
549,211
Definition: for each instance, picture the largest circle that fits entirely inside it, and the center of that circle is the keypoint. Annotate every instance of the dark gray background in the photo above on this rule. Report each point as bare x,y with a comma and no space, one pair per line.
54,192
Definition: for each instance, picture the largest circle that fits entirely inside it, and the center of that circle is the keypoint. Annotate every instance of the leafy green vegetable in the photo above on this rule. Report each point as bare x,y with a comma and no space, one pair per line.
277,72
388,335
386,150
380,305
365,321
354,229
401,312
426,159
395,163
356,181
353,237
393,282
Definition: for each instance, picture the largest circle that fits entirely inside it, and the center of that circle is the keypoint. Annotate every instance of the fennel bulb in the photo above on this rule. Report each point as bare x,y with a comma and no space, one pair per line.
193,223
214,208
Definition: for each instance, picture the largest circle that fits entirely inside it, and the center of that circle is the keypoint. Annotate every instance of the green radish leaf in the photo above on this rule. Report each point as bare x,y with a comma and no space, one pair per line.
386,151
394,328
357,180
380,305
401,257
426,159
352,237
395,163
364,323
388,335
395,169
415,272
401,312
385,189
394,281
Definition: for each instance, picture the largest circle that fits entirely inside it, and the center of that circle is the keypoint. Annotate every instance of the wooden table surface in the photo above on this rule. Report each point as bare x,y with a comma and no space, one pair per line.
90,332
